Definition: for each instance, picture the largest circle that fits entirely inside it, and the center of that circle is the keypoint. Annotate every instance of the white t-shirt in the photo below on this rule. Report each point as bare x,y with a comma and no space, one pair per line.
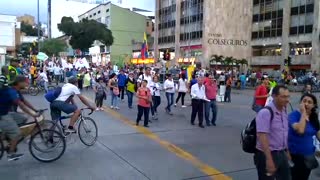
145,77
57,70
67,91
169,84
183,85
44,77
155,89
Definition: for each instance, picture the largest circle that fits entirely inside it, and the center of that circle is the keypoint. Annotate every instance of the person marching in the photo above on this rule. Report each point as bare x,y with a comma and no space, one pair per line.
131,88
182,90
100,91
169,88
144,103
198,95
156,98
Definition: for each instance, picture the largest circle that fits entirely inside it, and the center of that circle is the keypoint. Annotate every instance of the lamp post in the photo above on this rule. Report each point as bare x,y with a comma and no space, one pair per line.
38,14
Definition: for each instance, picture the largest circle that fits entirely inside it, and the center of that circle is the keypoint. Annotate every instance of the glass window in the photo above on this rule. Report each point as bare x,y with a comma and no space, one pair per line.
294,11
254,35
310,8
99,12
309,29
293,30
301,29
255,18
302,9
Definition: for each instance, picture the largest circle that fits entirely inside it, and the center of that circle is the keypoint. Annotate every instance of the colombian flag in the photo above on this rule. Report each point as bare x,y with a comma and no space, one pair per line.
144,48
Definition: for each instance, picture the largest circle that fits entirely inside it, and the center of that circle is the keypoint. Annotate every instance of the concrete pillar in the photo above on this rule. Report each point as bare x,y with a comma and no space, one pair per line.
285,31
177,31
315,64
156,31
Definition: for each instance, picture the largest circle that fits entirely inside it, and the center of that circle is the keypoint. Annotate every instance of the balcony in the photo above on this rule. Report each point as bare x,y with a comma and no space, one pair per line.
266,60
301,60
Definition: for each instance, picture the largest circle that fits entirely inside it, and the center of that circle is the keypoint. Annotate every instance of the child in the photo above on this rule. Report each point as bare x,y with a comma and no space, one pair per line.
100,91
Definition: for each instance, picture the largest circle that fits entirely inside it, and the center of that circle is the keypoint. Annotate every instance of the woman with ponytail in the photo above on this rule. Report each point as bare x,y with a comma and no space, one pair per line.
303,126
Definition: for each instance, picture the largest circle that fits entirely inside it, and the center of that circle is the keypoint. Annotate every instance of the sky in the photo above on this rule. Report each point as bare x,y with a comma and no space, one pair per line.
21,7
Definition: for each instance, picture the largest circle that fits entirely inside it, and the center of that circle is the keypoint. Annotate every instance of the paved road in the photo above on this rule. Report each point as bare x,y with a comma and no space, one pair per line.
171,149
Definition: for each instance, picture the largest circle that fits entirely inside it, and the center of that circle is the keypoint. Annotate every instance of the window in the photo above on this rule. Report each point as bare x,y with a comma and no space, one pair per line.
294,11
107,10
302,9
99,12
94,14
268,16
254,35
309,29
148,24
301,29
90,16
310,8
255,2
293,30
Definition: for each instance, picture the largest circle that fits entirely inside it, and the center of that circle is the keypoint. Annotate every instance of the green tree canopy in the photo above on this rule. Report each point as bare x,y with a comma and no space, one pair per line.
29,30
84,33
24,49
53,46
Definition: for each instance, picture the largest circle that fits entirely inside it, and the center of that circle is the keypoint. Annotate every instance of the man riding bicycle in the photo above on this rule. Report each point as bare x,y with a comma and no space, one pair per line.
10,121
66,104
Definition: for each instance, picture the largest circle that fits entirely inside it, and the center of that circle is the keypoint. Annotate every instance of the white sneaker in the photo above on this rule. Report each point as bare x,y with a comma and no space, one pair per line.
101,109
111,107
97,109
117,108
175,105
183,106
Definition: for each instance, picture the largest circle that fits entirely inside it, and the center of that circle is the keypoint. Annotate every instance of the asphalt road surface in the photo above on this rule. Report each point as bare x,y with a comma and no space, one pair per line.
171,149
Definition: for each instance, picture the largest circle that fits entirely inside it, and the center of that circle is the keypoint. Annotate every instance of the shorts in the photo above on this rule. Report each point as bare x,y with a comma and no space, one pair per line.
57,106
9,124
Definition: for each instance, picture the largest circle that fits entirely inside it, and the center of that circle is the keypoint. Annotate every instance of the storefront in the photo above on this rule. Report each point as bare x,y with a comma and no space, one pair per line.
139,61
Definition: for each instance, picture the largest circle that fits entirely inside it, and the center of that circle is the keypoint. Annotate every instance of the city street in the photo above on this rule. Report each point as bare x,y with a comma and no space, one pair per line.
171,149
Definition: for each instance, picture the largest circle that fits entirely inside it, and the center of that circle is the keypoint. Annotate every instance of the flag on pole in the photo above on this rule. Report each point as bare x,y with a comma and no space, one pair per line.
144,48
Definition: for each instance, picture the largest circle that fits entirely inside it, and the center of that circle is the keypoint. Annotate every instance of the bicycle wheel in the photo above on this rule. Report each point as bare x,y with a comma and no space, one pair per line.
33,90
1,148
88,131
47,145
49,124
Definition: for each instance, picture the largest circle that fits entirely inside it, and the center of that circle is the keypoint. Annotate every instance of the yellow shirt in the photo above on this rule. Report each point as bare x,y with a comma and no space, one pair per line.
32,70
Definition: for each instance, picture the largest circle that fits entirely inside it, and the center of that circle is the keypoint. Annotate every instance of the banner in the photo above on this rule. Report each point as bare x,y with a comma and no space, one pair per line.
80,63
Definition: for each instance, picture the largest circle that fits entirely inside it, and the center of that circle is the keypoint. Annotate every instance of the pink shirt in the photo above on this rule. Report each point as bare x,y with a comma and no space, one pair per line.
211,91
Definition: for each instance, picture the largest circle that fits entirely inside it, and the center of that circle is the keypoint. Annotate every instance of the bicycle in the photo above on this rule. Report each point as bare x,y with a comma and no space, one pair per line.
35,89
51,139
83,124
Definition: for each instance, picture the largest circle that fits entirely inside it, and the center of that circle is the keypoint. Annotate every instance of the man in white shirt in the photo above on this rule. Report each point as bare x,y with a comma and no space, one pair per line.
57,71
198,95
168,86
66,104
146,76
44,80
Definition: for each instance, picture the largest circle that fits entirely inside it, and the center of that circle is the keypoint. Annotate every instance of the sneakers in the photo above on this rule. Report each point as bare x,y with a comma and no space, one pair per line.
98,109
14,157
117,108
183,106
175,105
111,107
70,130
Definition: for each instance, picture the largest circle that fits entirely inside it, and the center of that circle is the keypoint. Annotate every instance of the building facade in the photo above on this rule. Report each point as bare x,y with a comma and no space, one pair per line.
283,29
126,26
199,29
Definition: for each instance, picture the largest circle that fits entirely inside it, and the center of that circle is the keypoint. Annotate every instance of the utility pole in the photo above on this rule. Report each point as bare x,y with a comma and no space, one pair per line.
49,19
38,14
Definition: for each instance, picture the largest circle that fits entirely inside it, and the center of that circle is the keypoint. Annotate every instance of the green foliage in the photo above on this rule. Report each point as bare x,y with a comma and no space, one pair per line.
84,33
216,58
29,30
53,46
24,49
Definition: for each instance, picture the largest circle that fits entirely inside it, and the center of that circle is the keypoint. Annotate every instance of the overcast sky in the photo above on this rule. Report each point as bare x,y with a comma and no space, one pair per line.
21,7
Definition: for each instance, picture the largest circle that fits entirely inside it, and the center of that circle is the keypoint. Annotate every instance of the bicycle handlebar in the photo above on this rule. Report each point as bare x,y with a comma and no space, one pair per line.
87,109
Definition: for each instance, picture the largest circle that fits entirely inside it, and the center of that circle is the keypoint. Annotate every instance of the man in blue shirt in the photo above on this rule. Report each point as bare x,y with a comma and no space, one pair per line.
8,121
121,83
243,80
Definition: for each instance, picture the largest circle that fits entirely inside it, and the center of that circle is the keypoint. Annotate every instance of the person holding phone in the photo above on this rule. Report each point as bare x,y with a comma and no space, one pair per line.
144,103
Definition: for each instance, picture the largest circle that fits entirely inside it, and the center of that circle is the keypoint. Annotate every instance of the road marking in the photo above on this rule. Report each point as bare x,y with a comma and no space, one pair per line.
205,168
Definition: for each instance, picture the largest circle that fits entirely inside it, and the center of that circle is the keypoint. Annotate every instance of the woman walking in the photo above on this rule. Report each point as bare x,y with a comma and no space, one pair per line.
169,88
131,87
182,89
114,90
303,125
156,99
144,103
101,93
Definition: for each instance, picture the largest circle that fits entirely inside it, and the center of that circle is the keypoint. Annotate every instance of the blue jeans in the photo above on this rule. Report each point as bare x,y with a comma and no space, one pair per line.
114,100
212,104
243,84
169,100
130,98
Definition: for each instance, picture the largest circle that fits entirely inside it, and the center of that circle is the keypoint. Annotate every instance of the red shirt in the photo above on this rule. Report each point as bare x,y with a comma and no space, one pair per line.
261,91
206,80
211,90
144,93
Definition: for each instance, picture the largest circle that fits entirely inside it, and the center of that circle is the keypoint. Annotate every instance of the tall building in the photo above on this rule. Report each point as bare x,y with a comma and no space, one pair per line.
126,26
199,29
284,29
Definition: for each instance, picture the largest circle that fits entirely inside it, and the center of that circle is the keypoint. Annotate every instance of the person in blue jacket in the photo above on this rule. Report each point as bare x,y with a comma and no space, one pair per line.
303,126
121,84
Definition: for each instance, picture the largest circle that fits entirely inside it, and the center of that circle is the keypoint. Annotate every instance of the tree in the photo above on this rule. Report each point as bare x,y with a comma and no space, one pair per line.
228,61
216,58
53,46
84,33
29,30
24,49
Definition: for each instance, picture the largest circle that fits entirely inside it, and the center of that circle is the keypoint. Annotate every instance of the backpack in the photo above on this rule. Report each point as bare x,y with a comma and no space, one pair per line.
53,94
100,90
249,134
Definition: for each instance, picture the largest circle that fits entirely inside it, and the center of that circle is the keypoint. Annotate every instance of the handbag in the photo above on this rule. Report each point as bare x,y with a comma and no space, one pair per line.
116,91
311,162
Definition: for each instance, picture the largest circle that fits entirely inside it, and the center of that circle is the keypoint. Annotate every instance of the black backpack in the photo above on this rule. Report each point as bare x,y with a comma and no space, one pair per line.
249,135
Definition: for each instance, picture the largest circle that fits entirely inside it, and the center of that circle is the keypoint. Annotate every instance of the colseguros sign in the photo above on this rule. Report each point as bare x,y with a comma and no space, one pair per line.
216,39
